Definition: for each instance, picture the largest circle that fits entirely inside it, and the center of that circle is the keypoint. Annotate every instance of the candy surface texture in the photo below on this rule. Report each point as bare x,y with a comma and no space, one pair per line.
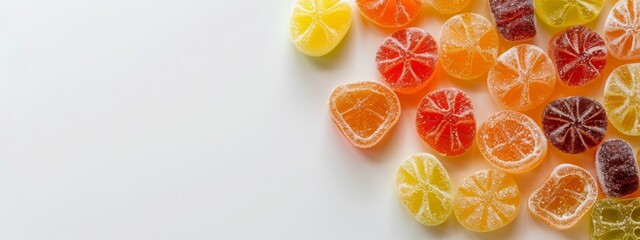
622,30
613,219
390,13
617,168
561,13
318,26
622,99
514,19
579,55
449,6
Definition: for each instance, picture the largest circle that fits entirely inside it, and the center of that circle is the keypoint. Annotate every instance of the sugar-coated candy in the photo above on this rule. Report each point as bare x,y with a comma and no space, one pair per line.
446,121
364,111
487,200
449,6
390,13
514,19
613,219
318,26
425,189
565,196
617,168
574,124
512,142
622,99
407,59
622,30
560,13
579,55
468,46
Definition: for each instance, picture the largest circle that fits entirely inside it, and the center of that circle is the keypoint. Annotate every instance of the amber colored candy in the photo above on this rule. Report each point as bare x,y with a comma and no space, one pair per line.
622,99
390,13
364,111
613,219
514,19
622,30
617,168
579,55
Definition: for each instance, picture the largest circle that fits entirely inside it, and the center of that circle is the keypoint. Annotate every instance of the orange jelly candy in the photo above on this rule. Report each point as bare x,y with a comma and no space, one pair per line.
565,196
364,111
390,13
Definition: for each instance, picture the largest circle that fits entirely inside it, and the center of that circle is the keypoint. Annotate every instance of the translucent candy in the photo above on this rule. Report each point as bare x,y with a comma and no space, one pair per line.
579,54
561,13
512,142
522,78
574,124
407,60
425,189
364,111
617,168
565,196
622,99
318,26
449,6
622,30
514,19
446,121
468,46
613,219
487,200
390,13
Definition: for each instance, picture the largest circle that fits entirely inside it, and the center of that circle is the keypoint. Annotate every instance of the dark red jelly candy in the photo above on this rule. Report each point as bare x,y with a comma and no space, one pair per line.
579,54
617,168
514,19
574,124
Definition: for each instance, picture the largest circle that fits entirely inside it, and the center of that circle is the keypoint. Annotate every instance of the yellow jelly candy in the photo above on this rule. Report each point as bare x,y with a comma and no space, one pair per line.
425,189
622,99
562,13
318,26
615,219
449,6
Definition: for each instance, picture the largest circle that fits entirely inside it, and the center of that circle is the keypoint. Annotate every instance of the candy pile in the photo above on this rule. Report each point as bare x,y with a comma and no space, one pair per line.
519,79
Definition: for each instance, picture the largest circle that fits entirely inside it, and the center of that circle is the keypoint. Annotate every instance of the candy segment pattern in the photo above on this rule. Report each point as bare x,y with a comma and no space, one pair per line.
390,13
560,13
622,30
318,26
579,55
622,99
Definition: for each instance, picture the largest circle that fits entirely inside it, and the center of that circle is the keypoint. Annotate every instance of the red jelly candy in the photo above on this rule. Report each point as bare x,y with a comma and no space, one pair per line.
446,121
407,59
579,54
617,168
574,124
514,19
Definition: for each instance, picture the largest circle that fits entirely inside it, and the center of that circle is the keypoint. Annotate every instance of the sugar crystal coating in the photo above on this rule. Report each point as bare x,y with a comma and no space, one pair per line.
613,219
560,13
449,6
622,99
617,168
622,30
579,55
318,26
514,19
390,13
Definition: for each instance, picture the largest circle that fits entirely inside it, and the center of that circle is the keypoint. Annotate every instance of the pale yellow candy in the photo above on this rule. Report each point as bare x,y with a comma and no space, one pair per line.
318,26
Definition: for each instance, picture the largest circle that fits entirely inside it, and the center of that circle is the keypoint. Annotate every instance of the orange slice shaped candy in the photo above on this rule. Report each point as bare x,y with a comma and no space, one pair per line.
364,111
390,13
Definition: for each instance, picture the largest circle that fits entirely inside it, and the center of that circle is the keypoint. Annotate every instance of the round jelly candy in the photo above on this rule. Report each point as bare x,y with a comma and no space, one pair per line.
579,54
560,13
318,26
449,6
468,46
514,19
523,78
446,121
622,99
613,219
364,111
512,142
407,60
390,13
565,196
487,200
574,124
425,189
617,168
622,30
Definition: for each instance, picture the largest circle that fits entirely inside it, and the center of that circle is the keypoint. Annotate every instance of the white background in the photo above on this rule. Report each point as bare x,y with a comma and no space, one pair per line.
198,119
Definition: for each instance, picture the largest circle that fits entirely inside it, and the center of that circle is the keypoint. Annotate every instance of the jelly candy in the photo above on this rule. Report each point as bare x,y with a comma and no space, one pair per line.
425,189
565,196
579,54
446,121
622,30
318,26
617,168
390,13
622,99
613,219
468,46
514,19
487,200
512,142
560,13
449,6
407,59
574,124
364,111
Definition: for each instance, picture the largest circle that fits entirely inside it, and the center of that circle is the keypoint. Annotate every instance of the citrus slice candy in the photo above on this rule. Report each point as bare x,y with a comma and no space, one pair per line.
425,189
407,60
579,55
523,78
617,168
512,142
364,111
468,46
615,219
390,13
446,121
565,196
622,99
487,200
318,26
560,13
449,6
514,19
622,30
